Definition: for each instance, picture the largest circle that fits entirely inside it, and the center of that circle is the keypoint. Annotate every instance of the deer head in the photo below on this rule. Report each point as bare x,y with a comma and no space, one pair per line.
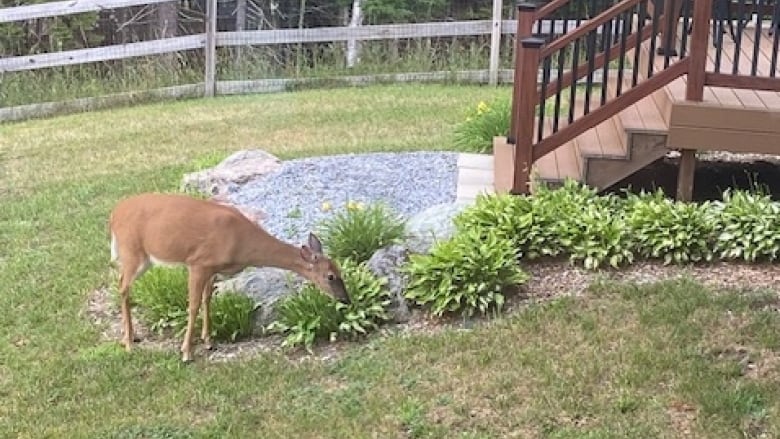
323,272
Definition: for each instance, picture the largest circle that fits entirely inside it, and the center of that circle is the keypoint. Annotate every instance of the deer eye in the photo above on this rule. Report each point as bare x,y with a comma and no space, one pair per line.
331,277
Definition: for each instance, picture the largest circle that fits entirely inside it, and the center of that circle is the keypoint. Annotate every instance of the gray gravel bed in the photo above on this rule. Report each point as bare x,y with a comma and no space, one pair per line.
292,196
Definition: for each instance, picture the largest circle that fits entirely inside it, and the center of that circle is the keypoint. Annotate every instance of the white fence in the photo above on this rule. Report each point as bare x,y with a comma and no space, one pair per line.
211,39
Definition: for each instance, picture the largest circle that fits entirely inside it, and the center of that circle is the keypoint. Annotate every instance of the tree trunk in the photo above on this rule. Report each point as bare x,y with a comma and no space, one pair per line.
353,46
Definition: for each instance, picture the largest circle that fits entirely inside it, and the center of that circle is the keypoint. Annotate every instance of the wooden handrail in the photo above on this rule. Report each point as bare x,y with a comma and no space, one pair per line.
549,8
570,76
588,27
606,111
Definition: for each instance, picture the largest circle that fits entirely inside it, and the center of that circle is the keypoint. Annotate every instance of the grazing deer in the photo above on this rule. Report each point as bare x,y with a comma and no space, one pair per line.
209,238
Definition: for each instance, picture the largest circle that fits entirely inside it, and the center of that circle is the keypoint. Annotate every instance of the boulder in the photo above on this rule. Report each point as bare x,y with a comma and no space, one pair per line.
432,224
386,263
226,177
266,286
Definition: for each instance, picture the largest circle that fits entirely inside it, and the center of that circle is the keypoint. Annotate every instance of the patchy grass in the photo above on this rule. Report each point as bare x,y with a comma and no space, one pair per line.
623,361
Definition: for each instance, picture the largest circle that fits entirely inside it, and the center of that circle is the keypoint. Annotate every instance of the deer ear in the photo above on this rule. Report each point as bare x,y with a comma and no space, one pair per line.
308,255
315,243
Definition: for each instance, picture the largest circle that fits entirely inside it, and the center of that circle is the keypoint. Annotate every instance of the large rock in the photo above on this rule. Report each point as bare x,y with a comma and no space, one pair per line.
226,177
386,262
266,286
432,224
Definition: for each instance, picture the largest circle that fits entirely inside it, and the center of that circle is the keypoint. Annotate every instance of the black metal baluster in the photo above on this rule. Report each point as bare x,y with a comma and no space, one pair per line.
627,25
638,46
591,46
607,45
561,63
738,37
756,42
686,12
654,25
546,66
775,39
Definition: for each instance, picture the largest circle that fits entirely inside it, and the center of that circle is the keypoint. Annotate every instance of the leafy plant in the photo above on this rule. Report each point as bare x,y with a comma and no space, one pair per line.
358,231
673,231
311,315
466,273
482,124
748,226
231,316
516,219
599,236
162,294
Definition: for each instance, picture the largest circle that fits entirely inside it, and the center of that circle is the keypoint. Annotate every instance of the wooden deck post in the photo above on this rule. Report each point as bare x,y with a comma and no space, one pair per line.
526,106
697,64
525,22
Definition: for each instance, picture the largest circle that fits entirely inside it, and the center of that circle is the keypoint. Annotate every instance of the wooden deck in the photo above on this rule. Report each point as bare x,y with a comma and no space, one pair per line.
735,120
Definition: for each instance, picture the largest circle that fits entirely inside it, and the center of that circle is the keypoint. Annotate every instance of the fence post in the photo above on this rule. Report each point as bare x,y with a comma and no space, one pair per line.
495,42
210,55
694,90
524,127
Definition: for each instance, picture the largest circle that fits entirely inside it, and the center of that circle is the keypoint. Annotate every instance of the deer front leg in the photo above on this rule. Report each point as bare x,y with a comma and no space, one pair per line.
127,321
205,334
197,282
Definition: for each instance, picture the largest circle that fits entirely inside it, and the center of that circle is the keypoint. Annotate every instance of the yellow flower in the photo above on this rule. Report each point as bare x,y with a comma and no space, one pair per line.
482,107
354,205
326,206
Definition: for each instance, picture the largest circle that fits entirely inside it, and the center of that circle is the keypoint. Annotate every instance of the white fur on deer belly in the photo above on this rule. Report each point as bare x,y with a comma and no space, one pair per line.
157,261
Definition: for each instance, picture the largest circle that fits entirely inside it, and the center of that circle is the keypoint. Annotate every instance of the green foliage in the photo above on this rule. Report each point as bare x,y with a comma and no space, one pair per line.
466,273
482,124
311,315
673,231
358,231
571,220
162,294
748,226
149,432
231,316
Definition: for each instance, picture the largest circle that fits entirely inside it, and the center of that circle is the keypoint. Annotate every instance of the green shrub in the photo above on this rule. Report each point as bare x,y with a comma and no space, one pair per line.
162,294
512,218
673,231
571,220
311,315
357,232
482,124
231,316
467,273
748,226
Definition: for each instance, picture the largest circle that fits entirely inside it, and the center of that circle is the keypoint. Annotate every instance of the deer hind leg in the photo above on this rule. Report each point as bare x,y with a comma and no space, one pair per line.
130,271
205,334
198,279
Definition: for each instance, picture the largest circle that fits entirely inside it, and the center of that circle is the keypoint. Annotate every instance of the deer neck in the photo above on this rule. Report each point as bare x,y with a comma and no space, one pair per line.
269,251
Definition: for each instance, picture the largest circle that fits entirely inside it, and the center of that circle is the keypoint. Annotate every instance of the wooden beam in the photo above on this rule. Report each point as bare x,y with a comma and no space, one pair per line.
210,52
118,51
68,7
685,176
702,12
524,129
742,81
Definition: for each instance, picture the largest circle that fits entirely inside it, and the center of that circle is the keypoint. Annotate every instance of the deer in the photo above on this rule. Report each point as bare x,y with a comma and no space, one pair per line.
211,239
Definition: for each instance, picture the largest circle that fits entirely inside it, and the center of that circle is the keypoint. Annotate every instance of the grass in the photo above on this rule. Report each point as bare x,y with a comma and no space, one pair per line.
622,361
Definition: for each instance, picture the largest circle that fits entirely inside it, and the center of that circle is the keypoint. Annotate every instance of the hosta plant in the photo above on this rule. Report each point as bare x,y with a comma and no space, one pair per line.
311,315
672,231
599,237
358,231
748,226
466,274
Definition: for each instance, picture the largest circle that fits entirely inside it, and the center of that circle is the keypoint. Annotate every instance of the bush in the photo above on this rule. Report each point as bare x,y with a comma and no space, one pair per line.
357,232
162,294
482,124
748,226
571,220
467,273
673,231
311,315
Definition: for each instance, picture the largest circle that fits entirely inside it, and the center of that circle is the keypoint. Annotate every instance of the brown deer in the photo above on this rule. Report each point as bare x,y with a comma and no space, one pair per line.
210,239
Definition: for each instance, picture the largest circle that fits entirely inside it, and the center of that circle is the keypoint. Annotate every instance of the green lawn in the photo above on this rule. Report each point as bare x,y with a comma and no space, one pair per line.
621,362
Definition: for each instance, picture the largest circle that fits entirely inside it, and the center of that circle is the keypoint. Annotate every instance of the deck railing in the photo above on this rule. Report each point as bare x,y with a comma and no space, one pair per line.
550,107
615,33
